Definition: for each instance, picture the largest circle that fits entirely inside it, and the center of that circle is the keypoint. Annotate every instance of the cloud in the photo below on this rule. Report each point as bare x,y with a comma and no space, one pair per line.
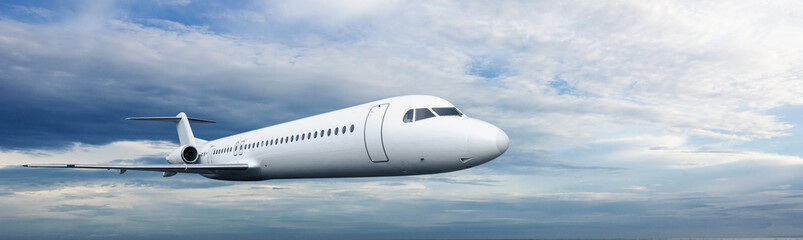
675,152
33,11
619,84
129,152
626,119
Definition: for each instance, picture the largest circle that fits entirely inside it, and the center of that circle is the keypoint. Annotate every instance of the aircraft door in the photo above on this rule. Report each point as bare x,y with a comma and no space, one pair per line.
210,154
374,143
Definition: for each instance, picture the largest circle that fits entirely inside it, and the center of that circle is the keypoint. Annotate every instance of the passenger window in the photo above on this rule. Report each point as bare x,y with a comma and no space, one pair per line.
344,130
296,137
336,130
309,135
423,113
329,133
315,135
447,111
408,117
352,128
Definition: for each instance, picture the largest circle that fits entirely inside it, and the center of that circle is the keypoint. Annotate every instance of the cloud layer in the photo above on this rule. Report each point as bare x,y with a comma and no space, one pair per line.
627,118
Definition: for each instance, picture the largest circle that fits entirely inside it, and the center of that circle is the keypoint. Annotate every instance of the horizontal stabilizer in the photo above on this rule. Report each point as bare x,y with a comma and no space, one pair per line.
169,119
185,136
194,168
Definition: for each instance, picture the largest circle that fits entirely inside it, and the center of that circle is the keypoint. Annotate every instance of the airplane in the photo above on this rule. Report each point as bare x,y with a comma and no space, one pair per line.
405,135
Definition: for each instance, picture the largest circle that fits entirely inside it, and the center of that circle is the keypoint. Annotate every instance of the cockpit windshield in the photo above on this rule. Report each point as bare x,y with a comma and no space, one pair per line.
447,111
423,113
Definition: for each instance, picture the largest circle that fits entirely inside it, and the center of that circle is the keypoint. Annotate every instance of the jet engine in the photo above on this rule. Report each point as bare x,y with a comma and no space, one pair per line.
183,154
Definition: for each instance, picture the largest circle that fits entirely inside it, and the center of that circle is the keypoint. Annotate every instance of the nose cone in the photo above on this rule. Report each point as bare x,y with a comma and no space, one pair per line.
486,141
502,141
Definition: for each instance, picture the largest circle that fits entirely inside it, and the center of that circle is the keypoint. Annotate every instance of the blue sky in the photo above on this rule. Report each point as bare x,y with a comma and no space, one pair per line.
627,119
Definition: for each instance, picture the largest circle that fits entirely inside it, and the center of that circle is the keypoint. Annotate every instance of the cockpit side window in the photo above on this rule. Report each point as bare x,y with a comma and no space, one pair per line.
408,117
447,111
423,113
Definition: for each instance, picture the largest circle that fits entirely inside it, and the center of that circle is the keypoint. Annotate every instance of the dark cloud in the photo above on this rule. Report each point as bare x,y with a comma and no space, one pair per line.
51,94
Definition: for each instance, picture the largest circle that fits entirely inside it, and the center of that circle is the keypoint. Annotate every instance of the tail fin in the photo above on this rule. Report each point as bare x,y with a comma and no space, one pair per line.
185,136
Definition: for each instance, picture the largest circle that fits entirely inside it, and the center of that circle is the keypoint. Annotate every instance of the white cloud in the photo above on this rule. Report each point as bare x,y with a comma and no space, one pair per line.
674,152
88,154
330,12
636,188
34,11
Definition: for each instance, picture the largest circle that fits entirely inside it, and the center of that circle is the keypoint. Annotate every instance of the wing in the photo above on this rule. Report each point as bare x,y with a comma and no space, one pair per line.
169,169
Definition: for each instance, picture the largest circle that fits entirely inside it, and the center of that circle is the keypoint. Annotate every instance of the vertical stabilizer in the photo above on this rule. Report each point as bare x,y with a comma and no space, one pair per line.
185,136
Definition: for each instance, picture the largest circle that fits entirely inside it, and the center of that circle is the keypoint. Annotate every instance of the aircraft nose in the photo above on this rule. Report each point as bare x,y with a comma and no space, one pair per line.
502,141
487,141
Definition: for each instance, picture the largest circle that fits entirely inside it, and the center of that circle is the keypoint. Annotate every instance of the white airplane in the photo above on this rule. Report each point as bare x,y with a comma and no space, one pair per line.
407,135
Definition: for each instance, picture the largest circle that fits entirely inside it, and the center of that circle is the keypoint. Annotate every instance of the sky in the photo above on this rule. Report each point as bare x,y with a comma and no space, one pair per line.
627,119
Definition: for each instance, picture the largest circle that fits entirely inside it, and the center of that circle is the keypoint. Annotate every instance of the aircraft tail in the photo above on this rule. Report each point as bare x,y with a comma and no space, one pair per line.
185,136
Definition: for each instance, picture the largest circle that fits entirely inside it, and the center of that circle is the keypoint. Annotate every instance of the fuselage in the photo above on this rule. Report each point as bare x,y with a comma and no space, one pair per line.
405,135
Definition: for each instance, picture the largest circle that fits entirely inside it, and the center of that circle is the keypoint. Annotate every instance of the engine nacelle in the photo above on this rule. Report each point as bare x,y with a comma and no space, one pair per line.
183,154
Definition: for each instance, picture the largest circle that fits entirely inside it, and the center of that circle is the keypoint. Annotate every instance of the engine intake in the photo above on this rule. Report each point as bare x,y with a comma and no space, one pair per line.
183,154
189,154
